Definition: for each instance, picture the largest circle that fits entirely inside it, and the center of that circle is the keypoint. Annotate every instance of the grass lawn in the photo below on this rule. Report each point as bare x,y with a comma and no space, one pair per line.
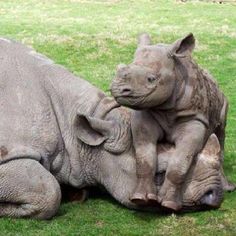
90,38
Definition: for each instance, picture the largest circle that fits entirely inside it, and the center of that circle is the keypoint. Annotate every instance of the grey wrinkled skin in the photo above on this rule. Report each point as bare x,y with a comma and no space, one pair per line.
176,101
56,128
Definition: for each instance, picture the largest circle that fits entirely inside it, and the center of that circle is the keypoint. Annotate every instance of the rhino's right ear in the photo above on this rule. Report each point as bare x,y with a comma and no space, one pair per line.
212,147
144,39
92,131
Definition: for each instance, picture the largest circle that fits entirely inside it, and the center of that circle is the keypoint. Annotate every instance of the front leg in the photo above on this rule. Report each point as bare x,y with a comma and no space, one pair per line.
145,132
189,138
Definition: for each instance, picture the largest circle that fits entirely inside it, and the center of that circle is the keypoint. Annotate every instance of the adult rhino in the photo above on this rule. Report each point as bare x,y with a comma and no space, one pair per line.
56,128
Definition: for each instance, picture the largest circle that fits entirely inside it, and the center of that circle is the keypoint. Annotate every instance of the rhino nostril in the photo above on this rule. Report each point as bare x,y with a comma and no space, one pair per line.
124,75
126,91
209,193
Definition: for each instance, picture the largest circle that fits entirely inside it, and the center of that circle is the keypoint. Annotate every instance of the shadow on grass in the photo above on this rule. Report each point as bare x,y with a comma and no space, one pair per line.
96,193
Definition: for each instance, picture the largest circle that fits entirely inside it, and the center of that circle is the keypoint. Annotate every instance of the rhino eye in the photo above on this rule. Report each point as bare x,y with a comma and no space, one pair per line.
151,79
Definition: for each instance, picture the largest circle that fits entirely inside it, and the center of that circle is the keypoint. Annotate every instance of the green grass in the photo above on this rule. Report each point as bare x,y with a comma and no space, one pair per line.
90,38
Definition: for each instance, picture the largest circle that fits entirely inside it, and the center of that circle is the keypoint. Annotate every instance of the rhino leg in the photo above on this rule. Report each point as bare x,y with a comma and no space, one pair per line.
143,126
27,189
189,138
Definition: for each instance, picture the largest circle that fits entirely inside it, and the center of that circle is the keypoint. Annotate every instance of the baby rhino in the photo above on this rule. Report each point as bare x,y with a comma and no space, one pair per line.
176,101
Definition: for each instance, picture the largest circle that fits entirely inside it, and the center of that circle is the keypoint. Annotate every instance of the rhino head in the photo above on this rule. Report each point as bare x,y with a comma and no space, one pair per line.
150,80
202,189
116,172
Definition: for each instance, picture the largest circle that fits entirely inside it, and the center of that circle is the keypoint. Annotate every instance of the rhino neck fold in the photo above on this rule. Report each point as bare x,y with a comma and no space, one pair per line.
89,158
104,106
180,98
78,97
184,69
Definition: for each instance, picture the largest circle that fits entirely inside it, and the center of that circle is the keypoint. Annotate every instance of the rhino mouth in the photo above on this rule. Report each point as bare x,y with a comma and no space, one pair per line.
126,96
125,91
131,101
135,101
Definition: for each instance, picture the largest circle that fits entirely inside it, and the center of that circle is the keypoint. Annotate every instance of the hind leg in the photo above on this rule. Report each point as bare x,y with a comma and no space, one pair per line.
27,189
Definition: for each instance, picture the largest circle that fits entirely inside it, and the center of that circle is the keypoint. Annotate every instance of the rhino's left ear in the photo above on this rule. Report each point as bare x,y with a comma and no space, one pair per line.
183,47
92,131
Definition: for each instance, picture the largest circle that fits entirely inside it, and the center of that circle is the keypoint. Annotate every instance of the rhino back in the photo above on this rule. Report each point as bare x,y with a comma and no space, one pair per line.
39,103
26,112
202,96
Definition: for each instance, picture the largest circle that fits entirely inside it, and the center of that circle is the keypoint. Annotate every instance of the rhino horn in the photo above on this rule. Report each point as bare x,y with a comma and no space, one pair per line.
144,39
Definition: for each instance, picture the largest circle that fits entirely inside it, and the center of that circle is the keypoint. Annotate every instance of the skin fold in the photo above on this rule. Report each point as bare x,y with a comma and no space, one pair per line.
175,101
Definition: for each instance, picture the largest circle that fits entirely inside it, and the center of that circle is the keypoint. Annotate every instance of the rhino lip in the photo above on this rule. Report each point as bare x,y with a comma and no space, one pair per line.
131,95
130,100
125,96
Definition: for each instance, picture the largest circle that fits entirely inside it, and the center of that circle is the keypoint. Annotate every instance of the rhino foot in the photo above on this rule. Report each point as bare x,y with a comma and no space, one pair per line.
139,199
144,199
144,194
176,206
170,196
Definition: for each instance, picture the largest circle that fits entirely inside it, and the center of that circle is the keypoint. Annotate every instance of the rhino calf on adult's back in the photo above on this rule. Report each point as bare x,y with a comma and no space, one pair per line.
179,102
56,128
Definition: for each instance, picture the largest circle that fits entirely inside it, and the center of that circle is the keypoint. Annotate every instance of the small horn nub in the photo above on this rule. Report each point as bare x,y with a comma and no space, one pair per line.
144,39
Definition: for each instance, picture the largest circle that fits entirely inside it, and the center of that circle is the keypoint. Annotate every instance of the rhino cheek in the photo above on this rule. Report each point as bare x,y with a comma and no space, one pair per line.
192,193
161,94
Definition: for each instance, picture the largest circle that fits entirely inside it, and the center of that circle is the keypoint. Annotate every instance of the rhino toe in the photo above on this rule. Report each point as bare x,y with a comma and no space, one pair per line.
175,206
139,199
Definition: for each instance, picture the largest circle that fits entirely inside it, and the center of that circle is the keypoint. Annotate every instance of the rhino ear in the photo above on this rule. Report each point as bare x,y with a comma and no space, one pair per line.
183,47
212,147
144,39
92,131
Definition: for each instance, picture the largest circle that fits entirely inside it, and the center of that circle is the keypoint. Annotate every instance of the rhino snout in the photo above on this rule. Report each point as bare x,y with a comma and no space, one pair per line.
121,92
125,91
123,72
